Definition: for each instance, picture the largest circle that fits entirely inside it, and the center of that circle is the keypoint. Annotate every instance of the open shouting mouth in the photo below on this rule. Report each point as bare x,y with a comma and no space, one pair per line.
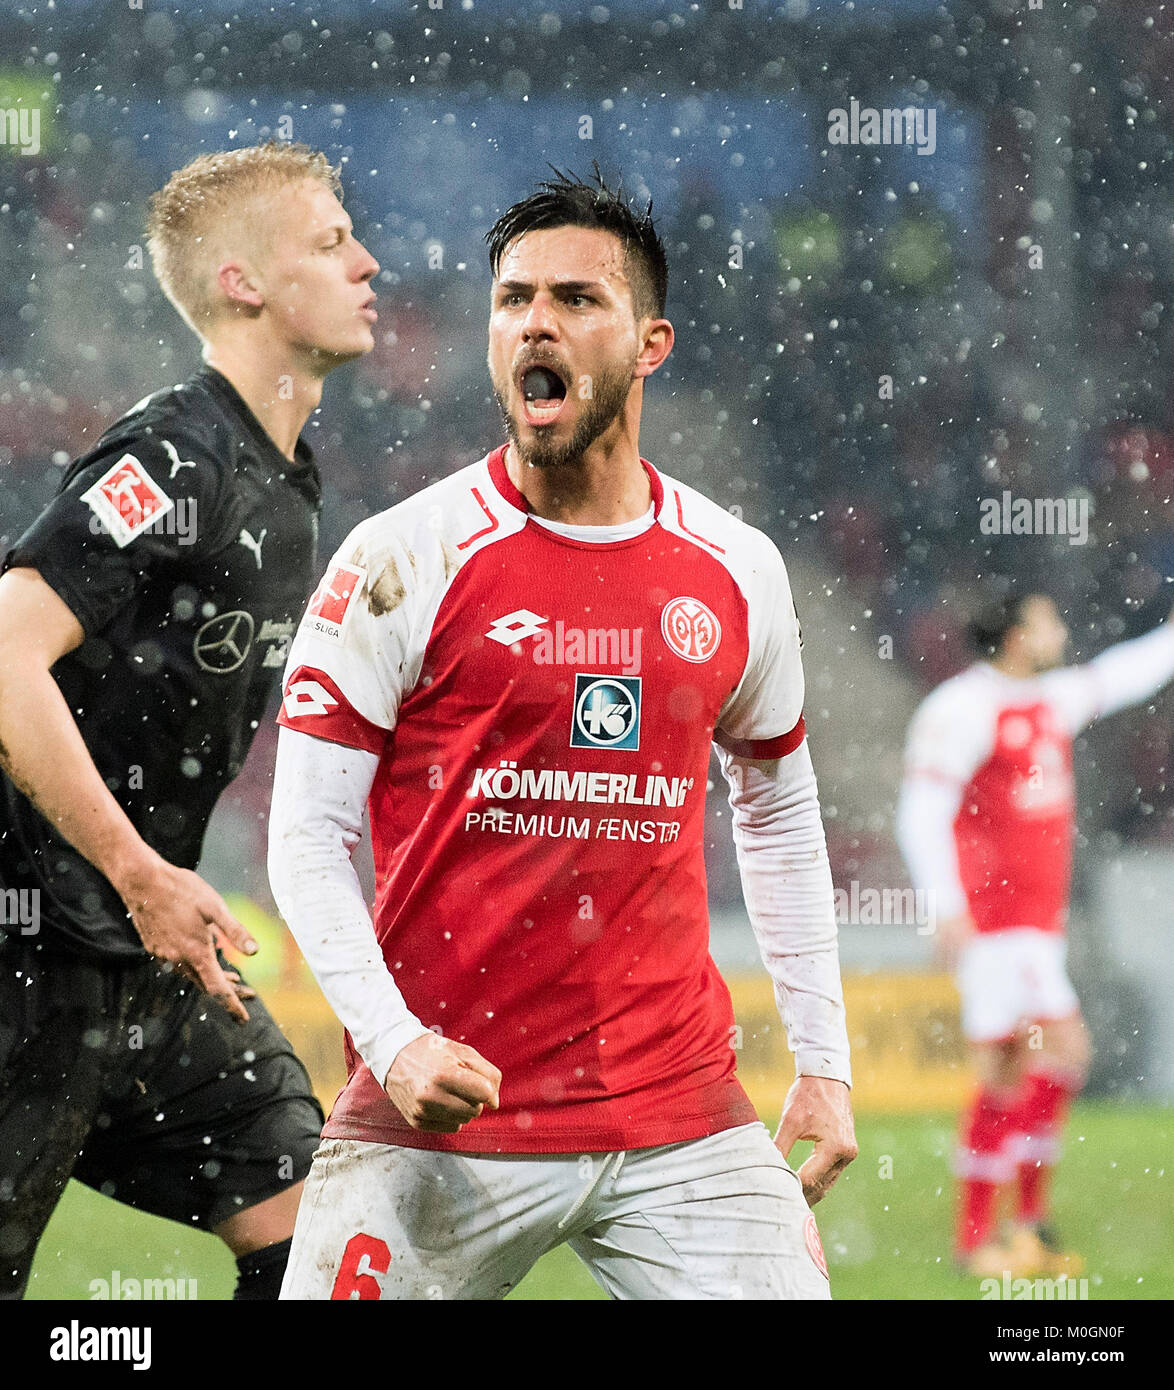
544,393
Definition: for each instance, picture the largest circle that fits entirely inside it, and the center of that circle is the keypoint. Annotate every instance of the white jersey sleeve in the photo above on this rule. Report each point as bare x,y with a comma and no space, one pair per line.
763,716
951,735
925,834
952,731
360,645
319,790
787,885
1125,674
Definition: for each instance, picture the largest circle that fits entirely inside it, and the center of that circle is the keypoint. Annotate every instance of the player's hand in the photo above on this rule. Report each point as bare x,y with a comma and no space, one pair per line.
821,1110
438,1085
951,939
180,919
239,987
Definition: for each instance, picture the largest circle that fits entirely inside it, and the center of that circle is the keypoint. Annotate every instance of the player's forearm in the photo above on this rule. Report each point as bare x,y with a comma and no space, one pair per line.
926,810
787,885
43,752
1132,671
319,791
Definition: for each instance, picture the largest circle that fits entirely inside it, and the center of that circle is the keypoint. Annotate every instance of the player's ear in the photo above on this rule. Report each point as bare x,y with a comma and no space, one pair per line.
240,286
657,340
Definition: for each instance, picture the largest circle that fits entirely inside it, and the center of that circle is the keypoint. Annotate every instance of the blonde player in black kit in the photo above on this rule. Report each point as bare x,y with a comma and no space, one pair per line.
144,622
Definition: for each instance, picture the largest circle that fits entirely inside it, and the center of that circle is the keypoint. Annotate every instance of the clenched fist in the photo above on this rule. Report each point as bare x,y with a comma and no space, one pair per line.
439,1085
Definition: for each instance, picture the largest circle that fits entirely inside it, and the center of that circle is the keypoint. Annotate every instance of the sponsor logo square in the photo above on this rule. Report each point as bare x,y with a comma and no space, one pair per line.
606,712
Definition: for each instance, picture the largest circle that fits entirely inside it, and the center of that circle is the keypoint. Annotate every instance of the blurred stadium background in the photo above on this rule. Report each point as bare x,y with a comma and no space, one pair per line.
870,341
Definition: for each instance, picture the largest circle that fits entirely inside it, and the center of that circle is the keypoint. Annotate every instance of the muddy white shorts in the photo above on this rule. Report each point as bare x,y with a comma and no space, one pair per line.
1010,979
721,1217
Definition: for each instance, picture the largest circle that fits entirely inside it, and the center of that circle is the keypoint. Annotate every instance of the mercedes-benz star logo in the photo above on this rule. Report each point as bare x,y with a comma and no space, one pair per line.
223,642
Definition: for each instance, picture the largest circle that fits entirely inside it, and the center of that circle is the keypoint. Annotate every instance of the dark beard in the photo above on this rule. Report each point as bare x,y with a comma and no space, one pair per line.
609,393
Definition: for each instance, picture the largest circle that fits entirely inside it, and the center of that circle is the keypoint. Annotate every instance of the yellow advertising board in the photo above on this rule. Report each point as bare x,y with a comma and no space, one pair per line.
908,1053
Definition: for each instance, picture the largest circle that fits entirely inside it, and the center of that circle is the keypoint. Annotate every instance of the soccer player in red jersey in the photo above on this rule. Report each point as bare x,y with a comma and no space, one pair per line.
521,671
985,821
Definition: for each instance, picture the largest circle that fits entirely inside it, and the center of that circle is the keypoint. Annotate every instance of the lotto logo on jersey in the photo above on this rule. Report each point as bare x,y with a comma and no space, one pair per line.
333,600
607,712
690,628
126,500
306,697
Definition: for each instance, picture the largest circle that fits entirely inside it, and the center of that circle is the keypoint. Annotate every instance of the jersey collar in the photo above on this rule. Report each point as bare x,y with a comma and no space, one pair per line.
300,469
501,481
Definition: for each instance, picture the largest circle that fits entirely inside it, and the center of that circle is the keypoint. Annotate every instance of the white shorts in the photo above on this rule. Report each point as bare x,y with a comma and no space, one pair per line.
721,1217
1009,979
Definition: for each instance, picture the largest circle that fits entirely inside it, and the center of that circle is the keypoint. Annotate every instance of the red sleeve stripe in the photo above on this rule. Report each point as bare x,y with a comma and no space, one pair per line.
485,530
764,748
713,545
313,704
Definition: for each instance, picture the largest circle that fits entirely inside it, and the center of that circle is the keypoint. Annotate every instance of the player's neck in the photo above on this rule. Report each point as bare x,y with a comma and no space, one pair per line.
1019,667
279,394
604,488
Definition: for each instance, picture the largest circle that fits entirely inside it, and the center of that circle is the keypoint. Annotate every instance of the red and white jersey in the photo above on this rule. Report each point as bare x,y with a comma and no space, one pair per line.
993,754
1006,743
987,815
542,706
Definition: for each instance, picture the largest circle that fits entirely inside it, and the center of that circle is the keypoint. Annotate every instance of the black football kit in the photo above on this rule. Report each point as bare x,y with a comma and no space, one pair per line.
184,543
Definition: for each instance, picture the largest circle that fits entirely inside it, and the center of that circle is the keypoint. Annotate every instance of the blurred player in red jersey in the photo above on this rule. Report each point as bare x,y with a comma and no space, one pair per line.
522,670
986,821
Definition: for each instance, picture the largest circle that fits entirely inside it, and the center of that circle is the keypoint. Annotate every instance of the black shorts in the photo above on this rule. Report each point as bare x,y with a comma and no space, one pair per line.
125,1076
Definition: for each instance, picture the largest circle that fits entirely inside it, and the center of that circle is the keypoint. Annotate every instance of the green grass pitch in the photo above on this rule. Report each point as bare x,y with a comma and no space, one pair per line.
885,1227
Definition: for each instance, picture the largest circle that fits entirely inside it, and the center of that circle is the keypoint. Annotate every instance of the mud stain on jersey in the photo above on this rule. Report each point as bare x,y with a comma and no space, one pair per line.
386,589
452,560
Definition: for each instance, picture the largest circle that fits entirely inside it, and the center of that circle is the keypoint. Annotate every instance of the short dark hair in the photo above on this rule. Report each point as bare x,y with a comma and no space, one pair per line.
569,201
987,630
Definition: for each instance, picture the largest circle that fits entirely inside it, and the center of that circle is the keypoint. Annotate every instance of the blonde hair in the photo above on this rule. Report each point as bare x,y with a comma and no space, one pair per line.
188,216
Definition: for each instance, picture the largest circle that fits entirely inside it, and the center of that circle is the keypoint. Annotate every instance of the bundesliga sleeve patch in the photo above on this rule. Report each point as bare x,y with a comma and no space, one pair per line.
126,500
333,601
